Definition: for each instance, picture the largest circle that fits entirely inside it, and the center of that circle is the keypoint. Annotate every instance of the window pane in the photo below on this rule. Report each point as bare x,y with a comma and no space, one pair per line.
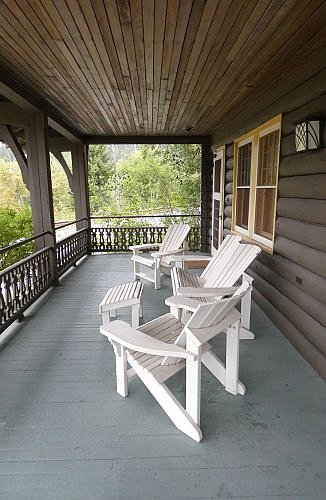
268,159
242,207
216,223
217,175
265,205
244,165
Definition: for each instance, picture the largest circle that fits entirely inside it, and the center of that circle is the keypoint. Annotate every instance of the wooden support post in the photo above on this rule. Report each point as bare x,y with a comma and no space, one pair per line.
79,155
206,197
40,186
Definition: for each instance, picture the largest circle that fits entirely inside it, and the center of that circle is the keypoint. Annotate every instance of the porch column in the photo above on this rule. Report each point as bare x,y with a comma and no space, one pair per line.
39,172
79,157
206,197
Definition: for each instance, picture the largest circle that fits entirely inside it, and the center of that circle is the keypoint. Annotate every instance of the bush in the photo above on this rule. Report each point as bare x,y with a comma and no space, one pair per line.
14,226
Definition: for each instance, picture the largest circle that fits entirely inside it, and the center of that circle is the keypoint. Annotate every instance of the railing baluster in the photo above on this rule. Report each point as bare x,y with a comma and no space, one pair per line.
72,248
21,284
118,238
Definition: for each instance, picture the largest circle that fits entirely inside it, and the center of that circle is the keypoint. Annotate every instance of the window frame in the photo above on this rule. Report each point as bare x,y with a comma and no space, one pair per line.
239,229
253,137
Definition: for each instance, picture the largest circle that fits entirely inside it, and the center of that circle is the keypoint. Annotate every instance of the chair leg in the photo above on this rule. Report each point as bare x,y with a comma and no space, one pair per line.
106,317
136,270
245,332
176,312
121,369
232,358
217,368
179,416
135,315
157,274
193,382
245,310
112,313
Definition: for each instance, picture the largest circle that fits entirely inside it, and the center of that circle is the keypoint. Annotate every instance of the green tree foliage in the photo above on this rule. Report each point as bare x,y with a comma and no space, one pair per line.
63,198
13,192
148,179
101,180
123,179
15,225
182,165
15,213
160,178
144,185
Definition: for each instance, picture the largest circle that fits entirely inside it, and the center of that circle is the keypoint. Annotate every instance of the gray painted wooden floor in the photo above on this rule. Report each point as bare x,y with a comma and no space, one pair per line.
65,434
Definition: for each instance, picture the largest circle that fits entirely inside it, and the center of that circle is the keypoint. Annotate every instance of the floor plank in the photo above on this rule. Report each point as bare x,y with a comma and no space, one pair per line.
66,434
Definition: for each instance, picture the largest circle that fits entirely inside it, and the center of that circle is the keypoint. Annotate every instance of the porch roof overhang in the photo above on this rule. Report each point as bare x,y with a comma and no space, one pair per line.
106,71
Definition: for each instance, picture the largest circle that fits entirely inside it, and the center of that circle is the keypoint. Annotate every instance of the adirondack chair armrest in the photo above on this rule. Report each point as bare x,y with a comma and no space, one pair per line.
185,303
165,254
123,334
145,246
205,292
192,258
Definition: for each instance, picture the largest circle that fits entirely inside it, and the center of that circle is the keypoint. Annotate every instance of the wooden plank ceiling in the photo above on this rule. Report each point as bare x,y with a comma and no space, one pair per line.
159,67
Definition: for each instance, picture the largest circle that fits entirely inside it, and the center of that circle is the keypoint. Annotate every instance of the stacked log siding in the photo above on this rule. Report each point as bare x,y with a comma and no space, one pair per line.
290,285
228,196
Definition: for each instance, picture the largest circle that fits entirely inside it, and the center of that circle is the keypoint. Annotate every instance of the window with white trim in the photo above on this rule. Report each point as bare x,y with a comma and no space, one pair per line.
256,163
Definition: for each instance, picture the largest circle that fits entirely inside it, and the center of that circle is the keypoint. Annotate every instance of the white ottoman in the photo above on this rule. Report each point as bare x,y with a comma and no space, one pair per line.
128,294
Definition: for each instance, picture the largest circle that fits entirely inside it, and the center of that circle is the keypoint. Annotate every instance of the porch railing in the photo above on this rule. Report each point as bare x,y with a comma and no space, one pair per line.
71,249
23,283
116,234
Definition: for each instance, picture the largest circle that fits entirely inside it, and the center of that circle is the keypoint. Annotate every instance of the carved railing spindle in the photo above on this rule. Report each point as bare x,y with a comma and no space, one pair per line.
71,249
21,284
119,238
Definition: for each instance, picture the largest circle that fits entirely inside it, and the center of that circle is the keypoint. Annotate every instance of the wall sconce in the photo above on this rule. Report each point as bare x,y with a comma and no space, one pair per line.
307,135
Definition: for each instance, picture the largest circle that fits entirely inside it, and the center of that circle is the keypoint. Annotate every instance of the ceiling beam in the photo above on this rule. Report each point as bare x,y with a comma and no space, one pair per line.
68,134
16,98
59,143
11,114
32,104
147,139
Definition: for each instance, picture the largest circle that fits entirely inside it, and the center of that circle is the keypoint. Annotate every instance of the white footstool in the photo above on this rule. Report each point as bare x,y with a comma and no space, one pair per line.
128,294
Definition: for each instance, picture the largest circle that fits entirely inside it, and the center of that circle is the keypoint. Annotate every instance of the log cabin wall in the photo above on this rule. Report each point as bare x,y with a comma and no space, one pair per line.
206,198
290,285
228,189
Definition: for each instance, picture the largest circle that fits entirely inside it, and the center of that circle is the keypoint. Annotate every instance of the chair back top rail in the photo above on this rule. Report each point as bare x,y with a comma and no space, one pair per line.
220,257
228,270
174,237
207,316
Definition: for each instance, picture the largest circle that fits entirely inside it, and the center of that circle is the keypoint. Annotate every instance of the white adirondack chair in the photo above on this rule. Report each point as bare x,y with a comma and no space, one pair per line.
229,242
225,268
173,242
159,349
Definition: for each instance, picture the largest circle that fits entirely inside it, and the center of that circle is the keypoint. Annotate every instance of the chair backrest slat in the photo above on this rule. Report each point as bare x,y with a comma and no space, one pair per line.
228,245
174,238
238,261
211,313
